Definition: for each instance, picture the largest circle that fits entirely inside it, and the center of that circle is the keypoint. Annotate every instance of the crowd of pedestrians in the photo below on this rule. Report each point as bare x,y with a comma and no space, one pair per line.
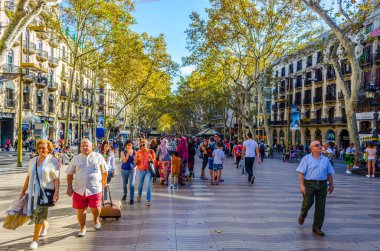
172,161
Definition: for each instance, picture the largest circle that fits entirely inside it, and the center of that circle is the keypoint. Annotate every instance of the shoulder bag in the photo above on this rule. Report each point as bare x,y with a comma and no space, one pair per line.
151,166
44,193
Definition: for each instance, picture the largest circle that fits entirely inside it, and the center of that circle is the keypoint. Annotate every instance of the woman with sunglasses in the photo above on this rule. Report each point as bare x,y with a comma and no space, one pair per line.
143,157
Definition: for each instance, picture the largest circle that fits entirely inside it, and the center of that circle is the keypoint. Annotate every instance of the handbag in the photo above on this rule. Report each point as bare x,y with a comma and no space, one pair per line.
152,167
44,193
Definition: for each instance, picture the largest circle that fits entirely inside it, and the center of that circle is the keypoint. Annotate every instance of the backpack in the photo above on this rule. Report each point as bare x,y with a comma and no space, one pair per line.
262,148
239,151
210,150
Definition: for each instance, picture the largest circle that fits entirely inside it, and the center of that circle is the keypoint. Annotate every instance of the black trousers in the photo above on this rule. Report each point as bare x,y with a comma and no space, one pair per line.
204,162
238,158
315,191
249,165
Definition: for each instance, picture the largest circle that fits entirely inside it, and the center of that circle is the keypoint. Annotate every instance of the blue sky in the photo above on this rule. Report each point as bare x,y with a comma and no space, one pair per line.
170,17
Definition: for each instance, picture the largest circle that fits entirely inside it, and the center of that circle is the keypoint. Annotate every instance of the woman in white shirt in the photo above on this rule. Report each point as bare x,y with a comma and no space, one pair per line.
109,157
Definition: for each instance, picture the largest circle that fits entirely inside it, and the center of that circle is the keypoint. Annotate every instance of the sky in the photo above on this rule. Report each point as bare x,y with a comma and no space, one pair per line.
170,17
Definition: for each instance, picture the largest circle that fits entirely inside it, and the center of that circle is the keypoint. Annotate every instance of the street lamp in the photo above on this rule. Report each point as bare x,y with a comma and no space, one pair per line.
80,127
370,93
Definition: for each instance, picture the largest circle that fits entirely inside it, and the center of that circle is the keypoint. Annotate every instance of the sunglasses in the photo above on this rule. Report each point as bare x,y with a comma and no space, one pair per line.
142,145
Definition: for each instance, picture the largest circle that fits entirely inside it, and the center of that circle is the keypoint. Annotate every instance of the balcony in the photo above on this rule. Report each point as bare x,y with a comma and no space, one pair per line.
42,35
31,48
9,71
40,107
29,78
299,84
11,103
305,121
52,86
53,41
41,81
42,55
74,117
307,101
317,99
53,62
63,95
330,98
308,82
274,107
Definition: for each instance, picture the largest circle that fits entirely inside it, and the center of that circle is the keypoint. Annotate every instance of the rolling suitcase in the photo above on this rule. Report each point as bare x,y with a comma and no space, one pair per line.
110,209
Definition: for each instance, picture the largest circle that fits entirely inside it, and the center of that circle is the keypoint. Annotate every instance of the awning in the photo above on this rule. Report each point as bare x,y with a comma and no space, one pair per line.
28,117
207,133
375,33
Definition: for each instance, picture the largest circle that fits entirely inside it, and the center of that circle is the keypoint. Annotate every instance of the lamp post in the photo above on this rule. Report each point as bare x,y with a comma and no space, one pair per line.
80,126
370,93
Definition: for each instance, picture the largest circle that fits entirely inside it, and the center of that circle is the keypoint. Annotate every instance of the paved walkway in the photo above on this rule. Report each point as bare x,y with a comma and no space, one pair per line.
231,216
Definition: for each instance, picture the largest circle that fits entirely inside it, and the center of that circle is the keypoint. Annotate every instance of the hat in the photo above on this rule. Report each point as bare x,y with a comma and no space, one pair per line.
313,143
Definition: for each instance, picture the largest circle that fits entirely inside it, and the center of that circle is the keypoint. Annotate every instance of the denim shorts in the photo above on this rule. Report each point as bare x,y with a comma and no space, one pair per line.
217,167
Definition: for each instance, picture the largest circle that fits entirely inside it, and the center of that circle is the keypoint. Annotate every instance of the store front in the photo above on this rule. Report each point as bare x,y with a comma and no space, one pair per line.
6,128
31,126
48,127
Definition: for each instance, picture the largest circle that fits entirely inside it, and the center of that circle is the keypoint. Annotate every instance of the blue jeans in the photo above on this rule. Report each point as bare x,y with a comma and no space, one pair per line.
129,175
148,175
109,178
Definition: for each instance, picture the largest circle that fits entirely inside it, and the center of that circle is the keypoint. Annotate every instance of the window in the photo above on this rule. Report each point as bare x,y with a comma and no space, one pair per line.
51,76
40,96
368,28
309,61
26,97
51,103
10,94
64,52
319,57
299,65
10,58
40,45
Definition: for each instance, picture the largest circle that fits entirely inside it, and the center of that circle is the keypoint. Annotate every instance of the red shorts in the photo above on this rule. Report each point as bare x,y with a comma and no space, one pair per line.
83,201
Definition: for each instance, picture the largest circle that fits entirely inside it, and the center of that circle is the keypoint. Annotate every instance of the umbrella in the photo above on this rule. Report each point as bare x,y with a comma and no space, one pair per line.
207,133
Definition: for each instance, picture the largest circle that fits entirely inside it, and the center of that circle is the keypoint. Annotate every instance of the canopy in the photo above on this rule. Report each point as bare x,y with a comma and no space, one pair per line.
154,133
207,133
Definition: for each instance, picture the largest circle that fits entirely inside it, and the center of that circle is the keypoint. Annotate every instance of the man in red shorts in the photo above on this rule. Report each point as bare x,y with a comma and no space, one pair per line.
90,169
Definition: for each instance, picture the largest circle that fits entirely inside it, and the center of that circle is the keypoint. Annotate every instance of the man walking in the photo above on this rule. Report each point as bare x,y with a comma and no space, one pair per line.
314,171
250,150
90,170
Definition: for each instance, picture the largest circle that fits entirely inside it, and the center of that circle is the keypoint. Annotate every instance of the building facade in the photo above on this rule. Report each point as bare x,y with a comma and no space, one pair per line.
46,64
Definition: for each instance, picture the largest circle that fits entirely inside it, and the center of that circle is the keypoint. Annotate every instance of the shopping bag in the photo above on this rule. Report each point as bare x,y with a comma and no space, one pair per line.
12,222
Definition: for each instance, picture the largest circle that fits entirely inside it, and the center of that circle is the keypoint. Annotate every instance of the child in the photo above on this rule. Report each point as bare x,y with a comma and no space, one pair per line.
176,165
218,156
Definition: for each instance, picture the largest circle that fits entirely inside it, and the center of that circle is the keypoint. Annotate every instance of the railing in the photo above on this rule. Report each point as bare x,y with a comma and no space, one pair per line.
317,99
31,46
330,97
43,54
53,60
52,85
307,101
10,103
10,68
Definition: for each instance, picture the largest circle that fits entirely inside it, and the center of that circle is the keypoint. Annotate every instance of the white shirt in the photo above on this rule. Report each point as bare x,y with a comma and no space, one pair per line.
250,148
88,173
218,155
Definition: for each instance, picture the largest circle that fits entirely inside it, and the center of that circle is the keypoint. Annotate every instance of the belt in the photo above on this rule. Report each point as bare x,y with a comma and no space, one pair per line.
316,181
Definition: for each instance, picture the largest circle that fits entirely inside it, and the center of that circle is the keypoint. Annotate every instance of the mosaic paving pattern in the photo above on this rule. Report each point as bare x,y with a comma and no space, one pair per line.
231,216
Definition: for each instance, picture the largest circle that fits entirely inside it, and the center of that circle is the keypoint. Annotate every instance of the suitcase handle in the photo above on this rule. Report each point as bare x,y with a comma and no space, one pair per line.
109,194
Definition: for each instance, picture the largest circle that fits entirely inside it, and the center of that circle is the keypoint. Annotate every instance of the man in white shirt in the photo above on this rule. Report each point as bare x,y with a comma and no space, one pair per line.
250,152
90,170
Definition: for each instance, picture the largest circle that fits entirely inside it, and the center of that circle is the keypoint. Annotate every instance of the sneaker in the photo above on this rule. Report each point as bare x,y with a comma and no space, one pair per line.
44,231
148,203
33,245
221,180
372,176
348,172
139,198
131,202
82,233
124,197
98,226
368,176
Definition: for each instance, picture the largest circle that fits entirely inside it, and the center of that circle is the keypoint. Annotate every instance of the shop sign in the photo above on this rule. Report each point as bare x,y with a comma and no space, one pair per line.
367,137
364,116
6,115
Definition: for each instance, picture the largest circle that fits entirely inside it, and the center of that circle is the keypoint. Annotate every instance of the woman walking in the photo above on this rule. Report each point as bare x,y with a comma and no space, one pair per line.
43,175
182,149
163,161
203,150
109,157
128,171
143,157
191,154
371,160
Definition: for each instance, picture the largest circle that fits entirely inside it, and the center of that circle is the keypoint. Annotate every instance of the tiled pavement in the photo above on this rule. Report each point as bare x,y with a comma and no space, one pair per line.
231,216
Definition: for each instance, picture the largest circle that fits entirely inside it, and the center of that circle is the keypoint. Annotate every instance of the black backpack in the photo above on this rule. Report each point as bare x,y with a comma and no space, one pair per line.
262,148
